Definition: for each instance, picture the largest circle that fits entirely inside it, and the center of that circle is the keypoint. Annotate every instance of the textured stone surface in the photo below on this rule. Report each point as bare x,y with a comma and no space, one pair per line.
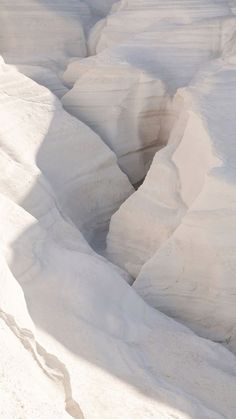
155,210
35,31
124,106
135,16
124,92
35,130
95,345
198,286
77,339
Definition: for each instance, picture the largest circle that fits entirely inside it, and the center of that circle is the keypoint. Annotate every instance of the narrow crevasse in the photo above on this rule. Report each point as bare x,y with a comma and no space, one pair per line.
82,335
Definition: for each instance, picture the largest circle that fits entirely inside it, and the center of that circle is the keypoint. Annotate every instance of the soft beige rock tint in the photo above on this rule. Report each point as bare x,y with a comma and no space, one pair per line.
130,324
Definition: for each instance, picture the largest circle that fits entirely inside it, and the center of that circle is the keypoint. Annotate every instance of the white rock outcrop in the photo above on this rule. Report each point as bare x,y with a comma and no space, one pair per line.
82,337
155,210
83,172
197,287
124,106
101,7
95,349
78,333
124,93
42,31
136,16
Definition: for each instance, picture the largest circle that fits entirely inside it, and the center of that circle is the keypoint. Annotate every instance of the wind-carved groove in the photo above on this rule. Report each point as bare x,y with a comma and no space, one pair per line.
49,363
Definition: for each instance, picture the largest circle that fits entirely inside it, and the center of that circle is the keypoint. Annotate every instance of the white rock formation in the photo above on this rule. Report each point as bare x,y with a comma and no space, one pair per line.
135,16
41,36
96,346
54,26
101,7
123,105
151,215
45,76
83,172
123,93
193,263
76,339
197,286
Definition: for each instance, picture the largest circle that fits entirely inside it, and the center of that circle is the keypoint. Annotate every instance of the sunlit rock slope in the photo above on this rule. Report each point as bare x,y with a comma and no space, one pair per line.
96,96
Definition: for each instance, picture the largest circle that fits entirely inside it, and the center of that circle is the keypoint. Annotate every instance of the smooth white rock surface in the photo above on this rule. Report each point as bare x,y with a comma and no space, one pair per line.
104,352
124,93
101,7
153,212
42,36
36,131
76,339
42,31
91,347
191,277
123,105
45,76
42,398
130,17
151,215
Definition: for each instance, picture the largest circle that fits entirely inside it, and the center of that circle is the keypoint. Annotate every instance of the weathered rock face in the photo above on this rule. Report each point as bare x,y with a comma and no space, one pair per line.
135,16
41,36
156,209
18,369
101,7
124,93
93,339
175,228
42,31
35,130
77,340
183,214
124,106
197,286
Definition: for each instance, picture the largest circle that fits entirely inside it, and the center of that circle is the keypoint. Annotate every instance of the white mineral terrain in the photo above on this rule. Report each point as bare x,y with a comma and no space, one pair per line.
124,92
98,97
198,286
81,169
135,16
